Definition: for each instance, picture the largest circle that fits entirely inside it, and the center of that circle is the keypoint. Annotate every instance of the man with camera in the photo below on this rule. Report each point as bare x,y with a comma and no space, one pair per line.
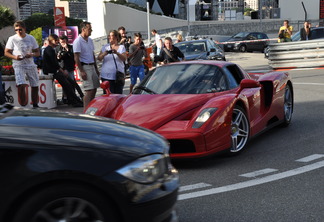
285,32
136,53
305,33
65,57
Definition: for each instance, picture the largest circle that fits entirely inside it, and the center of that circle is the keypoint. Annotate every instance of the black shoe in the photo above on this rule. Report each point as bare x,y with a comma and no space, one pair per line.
35,106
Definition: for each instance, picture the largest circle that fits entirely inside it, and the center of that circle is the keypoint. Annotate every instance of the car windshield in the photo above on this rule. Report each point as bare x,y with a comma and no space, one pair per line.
240,35
183,79
191,48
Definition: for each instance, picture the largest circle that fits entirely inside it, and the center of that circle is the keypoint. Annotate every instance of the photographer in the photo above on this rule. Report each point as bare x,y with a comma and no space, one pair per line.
65,57
113,56
136,53
285,32
305,33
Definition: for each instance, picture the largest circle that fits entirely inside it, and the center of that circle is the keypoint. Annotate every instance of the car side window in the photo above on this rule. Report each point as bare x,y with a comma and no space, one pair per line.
234,75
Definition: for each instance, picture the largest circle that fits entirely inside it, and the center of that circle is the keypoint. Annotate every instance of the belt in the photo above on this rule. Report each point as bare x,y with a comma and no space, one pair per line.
87,64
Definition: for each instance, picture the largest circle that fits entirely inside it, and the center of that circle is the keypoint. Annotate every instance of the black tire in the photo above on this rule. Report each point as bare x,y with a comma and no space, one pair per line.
66,202
242,48
240,130
287,106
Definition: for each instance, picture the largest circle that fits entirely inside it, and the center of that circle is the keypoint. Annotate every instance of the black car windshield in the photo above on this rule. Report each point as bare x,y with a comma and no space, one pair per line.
184,79
191,48
240,35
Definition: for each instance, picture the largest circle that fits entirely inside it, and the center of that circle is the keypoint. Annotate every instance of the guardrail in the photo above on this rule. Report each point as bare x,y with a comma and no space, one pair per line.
300,54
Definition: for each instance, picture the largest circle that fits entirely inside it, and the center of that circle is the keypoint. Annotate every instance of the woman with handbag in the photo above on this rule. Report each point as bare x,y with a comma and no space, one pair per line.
113,56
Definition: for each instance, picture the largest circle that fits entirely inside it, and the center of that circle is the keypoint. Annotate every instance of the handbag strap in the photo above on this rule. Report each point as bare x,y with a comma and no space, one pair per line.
114,58
168,53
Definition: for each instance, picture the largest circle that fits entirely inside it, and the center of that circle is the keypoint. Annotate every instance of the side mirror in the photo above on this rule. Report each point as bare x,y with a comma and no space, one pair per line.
106,86
249,83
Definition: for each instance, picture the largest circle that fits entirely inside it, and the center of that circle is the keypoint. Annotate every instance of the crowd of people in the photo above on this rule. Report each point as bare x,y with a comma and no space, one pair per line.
59,59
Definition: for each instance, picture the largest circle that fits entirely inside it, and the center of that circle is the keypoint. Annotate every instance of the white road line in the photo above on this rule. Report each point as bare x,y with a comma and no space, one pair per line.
193,186
253,182
258,173
308,83
310,158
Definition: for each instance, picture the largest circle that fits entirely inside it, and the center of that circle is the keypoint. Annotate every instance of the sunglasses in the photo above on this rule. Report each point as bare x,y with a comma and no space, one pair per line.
18,30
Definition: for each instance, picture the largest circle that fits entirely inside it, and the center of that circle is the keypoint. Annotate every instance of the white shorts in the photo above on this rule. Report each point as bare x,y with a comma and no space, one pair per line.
92,81
30,71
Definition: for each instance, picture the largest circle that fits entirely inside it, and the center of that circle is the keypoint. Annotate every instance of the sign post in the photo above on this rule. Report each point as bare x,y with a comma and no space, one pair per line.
59,16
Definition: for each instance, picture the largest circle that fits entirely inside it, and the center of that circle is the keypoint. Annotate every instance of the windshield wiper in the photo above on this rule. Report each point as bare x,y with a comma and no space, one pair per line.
145,89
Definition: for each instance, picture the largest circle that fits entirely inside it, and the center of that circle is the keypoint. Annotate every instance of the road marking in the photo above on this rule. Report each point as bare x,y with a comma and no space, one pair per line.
309,83
258,173
193,186
310,158
253,182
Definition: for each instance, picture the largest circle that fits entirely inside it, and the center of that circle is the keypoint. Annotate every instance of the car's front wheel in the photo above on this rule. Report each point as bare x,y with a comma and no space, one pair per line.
242,48
66,202
240,129
288,106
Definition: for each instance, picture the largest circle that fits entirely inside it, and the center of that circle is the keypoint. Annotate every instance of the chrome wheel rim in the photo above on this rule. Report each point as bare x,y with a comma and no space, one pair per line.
68,209
239,130
288,108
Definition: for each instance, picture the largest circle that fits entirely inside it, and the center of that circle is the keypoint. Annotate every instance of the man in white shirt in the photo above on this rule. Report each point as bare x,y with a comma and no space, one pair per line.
21,48
85,60
158,42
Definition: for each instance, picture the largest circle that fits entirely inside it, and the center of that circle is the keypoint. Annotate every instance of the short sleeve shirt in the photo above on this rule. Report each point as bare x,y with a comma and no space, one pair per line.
286,34
22,46
108,69
157,41
85,48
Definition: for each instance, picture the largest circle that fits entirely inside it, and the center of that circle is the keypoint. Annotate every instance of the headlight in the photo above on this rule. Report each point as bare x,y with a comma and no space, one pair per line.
91,111
203,117
147,169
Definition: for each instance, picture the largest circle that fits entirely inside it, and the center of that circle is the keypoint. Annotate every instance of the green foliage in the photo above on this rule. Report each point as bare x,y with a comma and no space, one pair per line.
247,11
37,20
37,33
7,17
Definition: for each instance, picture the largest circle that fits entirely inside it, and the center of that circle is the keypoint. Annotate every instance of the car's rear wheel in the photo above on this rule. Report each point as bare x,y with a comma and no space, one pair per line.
240,129
66,202
288,106
242,48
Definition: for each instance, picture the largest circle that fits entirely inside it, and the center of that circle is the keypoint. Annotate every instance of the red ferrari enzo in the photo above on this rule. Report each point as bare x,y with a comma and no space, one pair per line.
202,107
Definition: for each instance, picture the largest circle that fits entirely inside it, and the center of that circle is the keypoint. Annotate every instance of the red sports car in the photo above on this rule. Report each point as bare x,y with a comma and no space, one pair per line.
202,107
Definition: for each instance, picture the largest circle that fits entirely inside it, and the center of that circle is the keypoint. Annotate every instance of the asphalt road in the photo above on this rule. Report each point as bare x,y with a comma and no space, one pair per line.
280,175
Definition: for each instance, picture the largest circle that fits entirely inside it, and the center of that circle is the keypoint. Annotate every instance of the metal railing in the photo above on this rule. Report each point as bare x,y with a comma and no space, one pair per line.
300,54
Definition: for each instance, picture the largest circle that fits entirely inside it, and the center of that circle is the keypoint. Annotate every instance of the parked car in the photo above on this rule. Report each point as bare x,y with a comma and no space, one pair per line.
202,106
316,33
64,167
201,49
246,42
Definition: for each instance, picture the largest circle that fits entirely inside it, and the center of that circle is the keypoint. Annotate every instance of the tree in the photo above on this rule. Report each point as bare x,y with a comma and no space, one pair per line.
7,17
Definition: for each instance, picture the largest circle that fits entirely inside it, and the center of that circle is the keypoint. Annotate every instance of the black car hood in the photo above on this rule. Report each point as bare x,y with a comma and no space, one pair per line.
52,129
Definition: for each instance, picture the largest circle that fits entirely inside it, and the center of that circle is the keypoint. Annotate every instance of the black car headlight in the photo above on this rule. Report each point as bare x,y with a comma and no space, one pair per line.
147,169
203,117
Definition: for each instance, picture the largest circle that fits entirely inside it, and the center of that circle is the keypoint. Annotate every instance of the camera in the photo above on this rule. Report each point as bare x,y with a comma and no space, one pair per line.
109,51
